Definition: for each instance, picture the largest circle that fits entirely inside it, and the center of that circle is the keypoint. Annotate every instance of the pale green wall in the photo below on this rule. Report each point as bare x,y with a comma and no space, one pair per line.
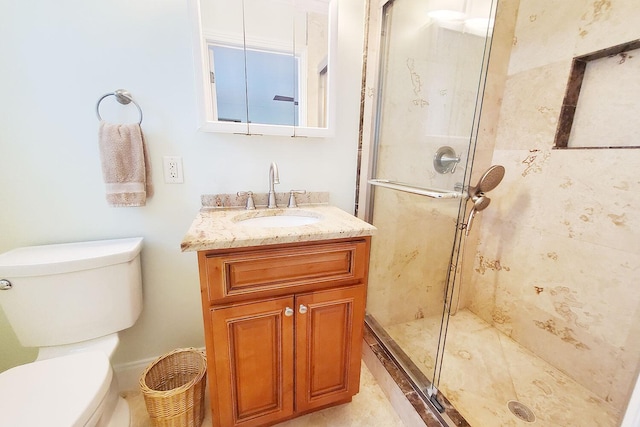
58,59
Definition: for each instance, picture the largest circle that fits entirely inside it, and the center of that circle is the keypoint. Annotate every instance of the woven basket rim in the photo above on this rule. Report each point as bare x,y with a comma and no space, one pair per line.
146,390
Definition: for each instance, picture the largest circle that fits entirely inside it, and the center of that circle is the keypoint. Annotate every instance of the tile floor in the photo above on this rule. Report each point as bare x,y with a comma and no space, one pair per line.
484,369
369,408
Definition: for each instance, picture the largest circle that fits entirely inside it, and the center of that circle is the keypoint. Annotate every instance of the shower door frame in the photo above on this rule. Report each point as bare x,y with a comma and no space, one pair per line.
371,93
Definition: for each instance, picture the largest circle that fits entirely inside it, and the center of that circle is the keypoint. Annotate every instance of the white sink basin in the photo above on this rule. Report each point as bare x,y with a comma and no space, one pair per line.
277,219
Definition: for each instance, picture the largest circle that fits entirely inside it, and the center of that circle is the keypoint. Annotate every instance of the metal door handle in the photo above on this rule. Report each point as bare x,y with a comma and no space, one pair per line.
5,285
303,309
288,311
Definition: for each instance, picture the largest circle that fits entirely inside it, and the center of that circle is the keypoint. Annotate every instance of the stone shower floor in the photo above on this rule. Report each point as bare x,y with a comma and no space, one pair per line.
368,408
484,369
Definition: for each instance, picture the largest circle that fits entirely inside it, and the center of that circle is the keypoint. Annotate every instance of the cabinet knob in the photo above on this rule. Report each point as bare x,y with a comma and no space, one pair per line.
303,309
288,311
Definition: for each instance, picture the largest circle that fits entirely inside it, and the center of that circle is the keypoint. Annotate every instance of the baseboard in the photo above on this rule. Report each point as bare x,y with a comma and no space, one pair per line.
128,374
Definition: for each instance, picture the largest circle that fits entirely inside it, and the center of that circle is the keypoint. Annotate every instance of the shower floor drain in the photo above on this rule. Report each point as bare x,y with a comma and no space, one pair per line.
521,411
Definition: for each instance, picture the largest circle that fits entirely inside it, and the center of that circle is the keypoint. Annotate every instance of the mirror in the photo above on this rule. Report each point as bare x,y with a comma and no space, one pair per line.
263,66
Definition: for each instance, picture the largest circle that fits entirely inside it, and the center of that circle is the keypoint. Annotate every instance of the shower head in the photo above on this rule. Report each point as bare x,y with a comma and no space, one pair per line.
488,181
481,203
491,178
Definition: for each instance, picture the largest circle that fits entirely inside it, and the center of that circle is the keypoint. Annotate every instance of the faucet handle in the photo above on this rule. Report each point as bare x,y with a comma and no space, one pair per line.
292,198
250,204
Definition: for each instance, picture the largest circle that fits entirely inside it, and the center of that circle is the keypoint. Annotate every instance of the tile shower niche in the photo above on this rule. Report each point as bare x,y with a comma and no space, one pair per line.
597,111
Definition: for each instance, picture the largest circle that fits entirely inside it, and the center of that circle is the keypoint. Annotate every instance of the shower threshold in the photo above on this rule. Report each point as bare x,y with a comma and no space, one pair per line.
410,379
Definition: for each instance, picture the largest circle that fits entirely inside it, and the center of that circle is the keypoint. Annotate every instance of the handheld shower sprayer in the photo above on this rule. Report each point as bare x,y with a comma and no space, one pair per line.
488,181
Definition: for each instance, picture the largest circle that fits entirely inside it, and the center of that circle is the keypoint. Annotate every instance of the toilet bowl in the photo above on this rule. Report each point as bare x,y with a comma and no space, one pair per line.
70,301
67,391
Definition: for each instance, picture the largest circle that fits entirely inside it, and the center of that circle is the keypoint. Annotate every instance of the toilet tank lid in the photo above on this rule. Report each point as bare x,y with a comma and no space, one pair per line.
66,257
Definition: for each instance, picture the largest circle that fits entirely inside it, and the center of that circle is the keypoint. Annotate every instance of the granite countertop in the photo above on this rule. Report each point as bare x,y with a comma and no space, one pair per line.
216,228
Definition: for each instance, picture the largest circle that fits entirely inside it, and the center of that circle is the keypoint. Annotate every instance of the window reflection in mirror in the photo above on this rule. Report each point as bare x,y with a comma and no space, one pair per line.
267,63
272,98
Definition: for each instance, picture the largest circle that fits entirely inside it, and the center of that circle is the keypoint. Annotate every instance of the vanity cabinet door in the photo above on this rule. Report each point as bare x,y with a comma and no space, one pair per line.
253,350
329,327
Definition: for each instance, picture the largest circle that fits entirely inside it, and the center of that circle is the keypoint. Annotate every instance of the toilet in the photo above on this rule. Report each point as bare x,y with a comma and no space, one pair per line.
70,301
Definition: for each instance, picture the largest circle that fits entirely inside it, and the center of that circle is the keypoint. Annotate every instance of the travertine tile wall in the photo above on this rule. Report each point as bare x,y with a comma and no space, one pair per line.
411,229
431,79
558,255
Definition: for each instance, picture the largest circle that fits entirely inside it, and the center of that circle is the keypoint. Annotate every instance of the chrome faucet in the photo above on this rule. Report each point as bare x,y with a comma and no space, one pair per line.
274,178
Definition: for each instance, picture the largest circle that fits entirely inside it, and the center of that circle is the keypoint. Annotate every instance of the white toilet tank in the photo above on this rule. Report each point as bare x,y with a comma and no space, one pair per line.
68,293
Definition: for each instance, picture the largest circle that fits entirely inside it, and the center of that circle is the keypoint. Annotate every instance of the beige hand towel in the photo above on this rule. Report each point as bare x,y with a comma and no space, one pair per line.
125,166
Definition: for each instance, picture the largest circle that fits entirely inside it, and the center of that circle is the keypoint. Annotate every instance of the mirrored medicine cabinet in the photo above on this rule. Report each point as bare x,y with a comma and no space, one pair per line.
265,66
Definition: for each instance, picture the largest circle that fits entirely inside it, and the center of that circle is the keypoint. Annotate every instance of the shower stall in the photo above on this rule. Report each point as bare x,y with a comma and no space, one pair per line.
428,63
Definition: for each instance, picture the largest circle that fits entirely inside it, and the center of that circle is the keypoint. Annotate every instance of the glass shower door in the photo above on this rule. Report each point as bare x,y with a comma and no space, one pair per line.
430,85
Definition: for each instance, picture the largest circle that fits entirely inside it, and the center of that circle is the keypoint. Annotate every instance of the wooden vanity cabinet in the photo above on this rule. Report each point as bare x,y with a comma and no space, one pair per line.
283,327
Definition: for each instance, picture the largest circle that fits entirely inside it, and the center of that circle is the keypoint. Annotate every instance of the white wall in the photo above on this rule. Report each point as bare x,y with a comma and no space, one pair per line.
58,58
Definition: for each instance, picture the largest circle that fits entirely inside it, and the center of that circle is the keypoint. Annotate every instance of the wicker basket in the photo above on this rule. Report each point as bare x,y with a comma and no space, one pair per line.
173,387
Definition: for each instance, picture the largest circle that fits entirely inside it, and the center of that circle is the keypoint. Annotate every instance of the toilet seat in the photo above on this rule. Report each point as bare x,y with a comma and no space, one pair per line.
60,392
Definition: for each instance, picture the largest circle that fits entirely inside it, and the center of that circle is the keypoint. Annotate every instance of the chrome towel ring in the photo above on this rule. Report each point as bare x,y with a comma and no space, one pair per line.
123,97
